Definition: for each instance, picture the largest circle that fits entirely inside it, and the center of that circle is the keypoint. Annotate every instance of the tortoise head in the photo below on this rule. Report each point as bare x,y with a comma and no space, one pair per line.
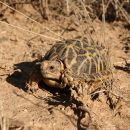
51,71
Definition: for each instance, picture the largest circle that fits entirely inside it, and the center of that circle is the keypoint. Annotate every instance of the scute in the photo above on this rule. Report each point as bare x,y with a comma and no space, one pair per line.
94,67
60,47
70,55
84,68
76,66
78,44
63,54
81,51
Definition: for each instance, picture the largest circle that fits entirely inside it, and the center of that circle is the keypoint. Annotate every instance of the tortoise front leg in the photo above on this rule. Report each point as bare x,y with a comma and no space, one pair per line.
34,78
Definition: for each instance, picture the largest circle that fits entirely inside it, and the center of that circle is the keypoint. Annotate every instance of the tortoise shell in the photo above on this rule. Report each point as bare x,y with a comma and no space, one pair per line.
81,57
74,62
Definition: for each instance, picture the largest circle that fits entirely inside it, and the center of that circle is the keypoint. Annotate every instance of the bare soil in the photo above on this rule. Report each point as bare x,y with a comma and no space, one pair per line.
45,110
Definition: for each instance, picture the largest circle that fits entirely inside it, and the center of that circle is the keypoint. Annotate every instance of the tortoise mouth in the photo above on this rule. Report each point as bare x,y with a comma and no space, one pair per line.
50,76
52,79
51,82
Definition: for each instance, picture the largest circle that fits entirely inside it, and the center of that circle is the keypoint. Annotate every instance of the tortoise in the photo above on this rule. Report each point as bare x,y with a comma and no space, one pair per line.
76,63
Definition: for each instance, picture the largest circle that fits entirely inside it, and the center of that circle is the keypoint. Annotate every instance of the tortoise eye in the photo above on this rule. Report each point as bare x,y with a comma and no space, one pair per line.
51,67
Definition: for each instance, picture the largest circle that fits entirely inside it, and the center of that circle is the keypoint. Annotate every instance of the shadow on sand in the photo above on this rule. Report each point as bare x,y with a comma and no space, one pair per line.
60,96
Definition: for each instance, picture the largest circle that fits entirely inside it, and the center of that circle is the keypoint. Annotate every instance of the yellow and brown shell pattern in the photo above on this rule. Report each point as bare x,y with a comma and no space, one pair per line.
81,57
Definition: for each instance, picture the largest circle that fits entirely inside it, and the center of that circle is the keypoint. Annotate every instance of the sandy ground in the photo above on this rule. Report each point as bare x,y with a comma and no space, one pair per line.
43,110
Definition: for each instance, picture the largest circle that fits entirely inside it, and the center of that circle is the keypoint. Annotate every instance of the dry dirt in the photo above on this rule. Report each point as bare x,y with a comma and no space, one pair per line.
44,110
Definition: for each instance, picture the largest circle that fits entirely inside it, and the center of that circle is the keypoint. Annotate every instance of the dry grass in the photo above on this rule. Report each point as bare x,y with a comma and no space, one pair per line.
83,12
4,125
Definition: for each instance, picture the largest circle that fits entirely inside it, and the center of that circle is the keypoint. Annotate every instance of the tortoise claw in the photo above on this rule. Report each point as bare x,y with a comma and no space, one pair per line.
32,88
